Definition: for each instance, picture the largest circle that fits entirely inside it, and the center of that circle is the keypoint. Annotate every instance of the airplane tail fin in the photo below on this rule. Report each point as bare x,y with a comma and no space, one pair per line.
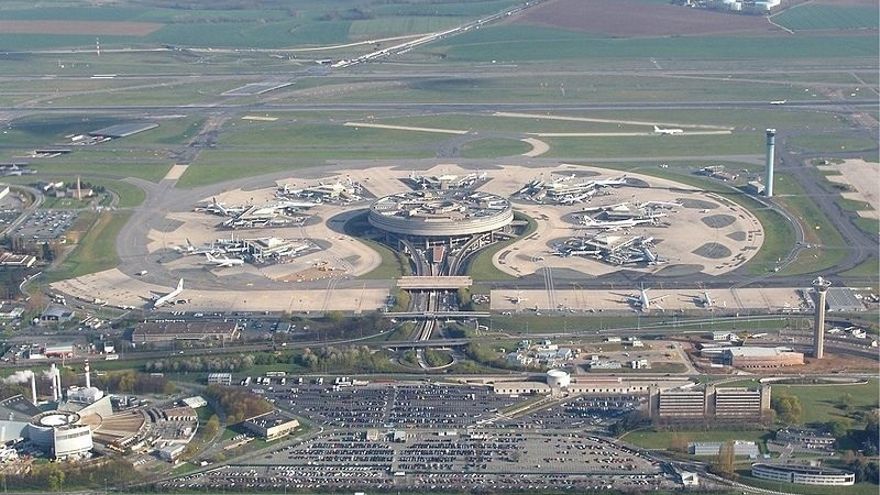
656,129
209,257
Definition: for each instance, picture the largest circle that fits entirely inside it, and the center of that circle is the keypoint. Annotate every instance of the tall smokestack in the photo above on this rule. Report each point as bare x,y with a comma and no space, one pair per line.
771,152
34,388
54,376
820,285
60,390
88,378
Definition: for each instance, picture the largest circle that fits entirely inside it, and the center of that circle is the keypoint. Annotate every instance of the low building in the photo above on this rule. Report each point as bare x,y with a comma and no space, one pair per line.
171,330
220,379
17,260
58,350
761,357
803,475
56,314
195,402
271,425
740,448
172,452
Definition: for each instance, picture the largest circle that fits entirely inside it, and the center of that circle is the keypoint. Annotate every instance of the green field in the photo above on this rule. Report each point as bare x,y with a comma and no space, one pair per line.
493,148
96,251
812,17
819,401
519,43
817,143
818,230
654,146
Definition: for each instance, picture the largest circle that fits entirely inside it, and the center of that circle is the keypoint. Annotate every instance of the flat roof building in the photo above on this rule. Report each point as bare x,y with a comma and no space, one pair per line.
761,357
220,379
721,403
271,425
171,330
740,448
803,475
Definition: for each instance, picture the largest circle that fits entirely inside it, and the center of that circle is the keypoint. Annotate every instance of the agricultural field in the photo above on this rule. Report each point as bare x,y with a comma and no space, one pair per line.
511,44
827,17
643,18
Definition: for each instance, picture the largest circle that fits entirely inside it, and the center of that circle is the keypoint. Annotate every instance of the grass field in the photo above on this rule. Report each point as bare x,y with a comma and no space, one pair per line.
654,146
493,147
812,17
869,268
480,267
817,143
129,195
96,251
819,401
818,230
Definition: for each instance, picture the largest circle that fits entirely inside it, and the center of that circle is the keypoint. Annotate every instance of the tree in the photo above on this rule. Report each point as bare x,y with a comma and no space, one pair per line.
723,464
54,478
838,427
845,401
212,426
788,409
679,443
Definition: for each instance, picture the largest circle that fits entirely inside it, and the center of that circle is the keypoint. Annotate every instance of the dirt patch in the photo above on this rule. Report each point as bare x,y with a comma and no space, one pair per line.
634,18
109,28
718,221
712,250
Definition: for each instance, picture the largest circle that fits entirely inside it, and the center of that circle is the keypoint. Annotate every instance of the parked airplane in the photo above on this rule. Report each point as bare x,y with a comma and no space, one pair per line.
667,131
643,302
779,102
161,301
589,222
517,299
223,262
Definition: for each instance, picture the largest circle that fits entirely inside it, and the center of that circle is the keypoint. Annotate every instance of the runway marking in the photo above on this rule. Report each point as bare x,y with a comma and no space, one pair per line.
175,172
606,121
406,128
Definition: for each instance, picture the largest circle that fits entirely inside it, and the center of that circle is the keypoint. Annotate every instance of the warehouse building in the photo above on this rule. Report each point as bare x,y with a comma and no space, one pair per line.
271,425
761,357
171,330
220,379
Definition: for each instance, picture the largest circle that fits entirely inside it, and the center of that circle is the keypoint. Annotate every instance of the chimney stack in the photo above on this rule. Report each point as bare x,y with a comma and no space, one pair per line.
34,388
88,378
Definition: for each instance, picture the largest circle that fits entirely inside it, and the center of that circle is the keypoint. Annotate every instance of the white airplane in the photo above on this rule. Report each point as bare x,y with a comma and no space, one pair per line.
577,198
706,300
159,302
667,131
643,302
223,262
191,249
588,222
779,102
617,181
517,299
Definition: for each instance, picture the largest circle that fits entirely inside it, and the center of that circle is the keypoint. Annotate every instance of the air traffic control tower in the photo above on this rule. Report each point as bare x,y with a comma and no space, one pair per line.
771,158
820,286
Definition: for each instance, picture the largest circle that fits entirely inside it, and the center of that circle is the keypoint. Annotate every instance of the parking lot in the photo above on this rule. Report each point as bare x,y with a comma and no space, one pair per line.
381,405
441,459
586,412
46,225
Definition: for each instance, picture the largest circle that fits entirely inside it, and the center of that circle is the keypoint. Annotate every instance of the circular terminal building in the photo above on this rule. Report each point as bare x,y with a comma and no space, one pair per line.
60,433
558,379
432,214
